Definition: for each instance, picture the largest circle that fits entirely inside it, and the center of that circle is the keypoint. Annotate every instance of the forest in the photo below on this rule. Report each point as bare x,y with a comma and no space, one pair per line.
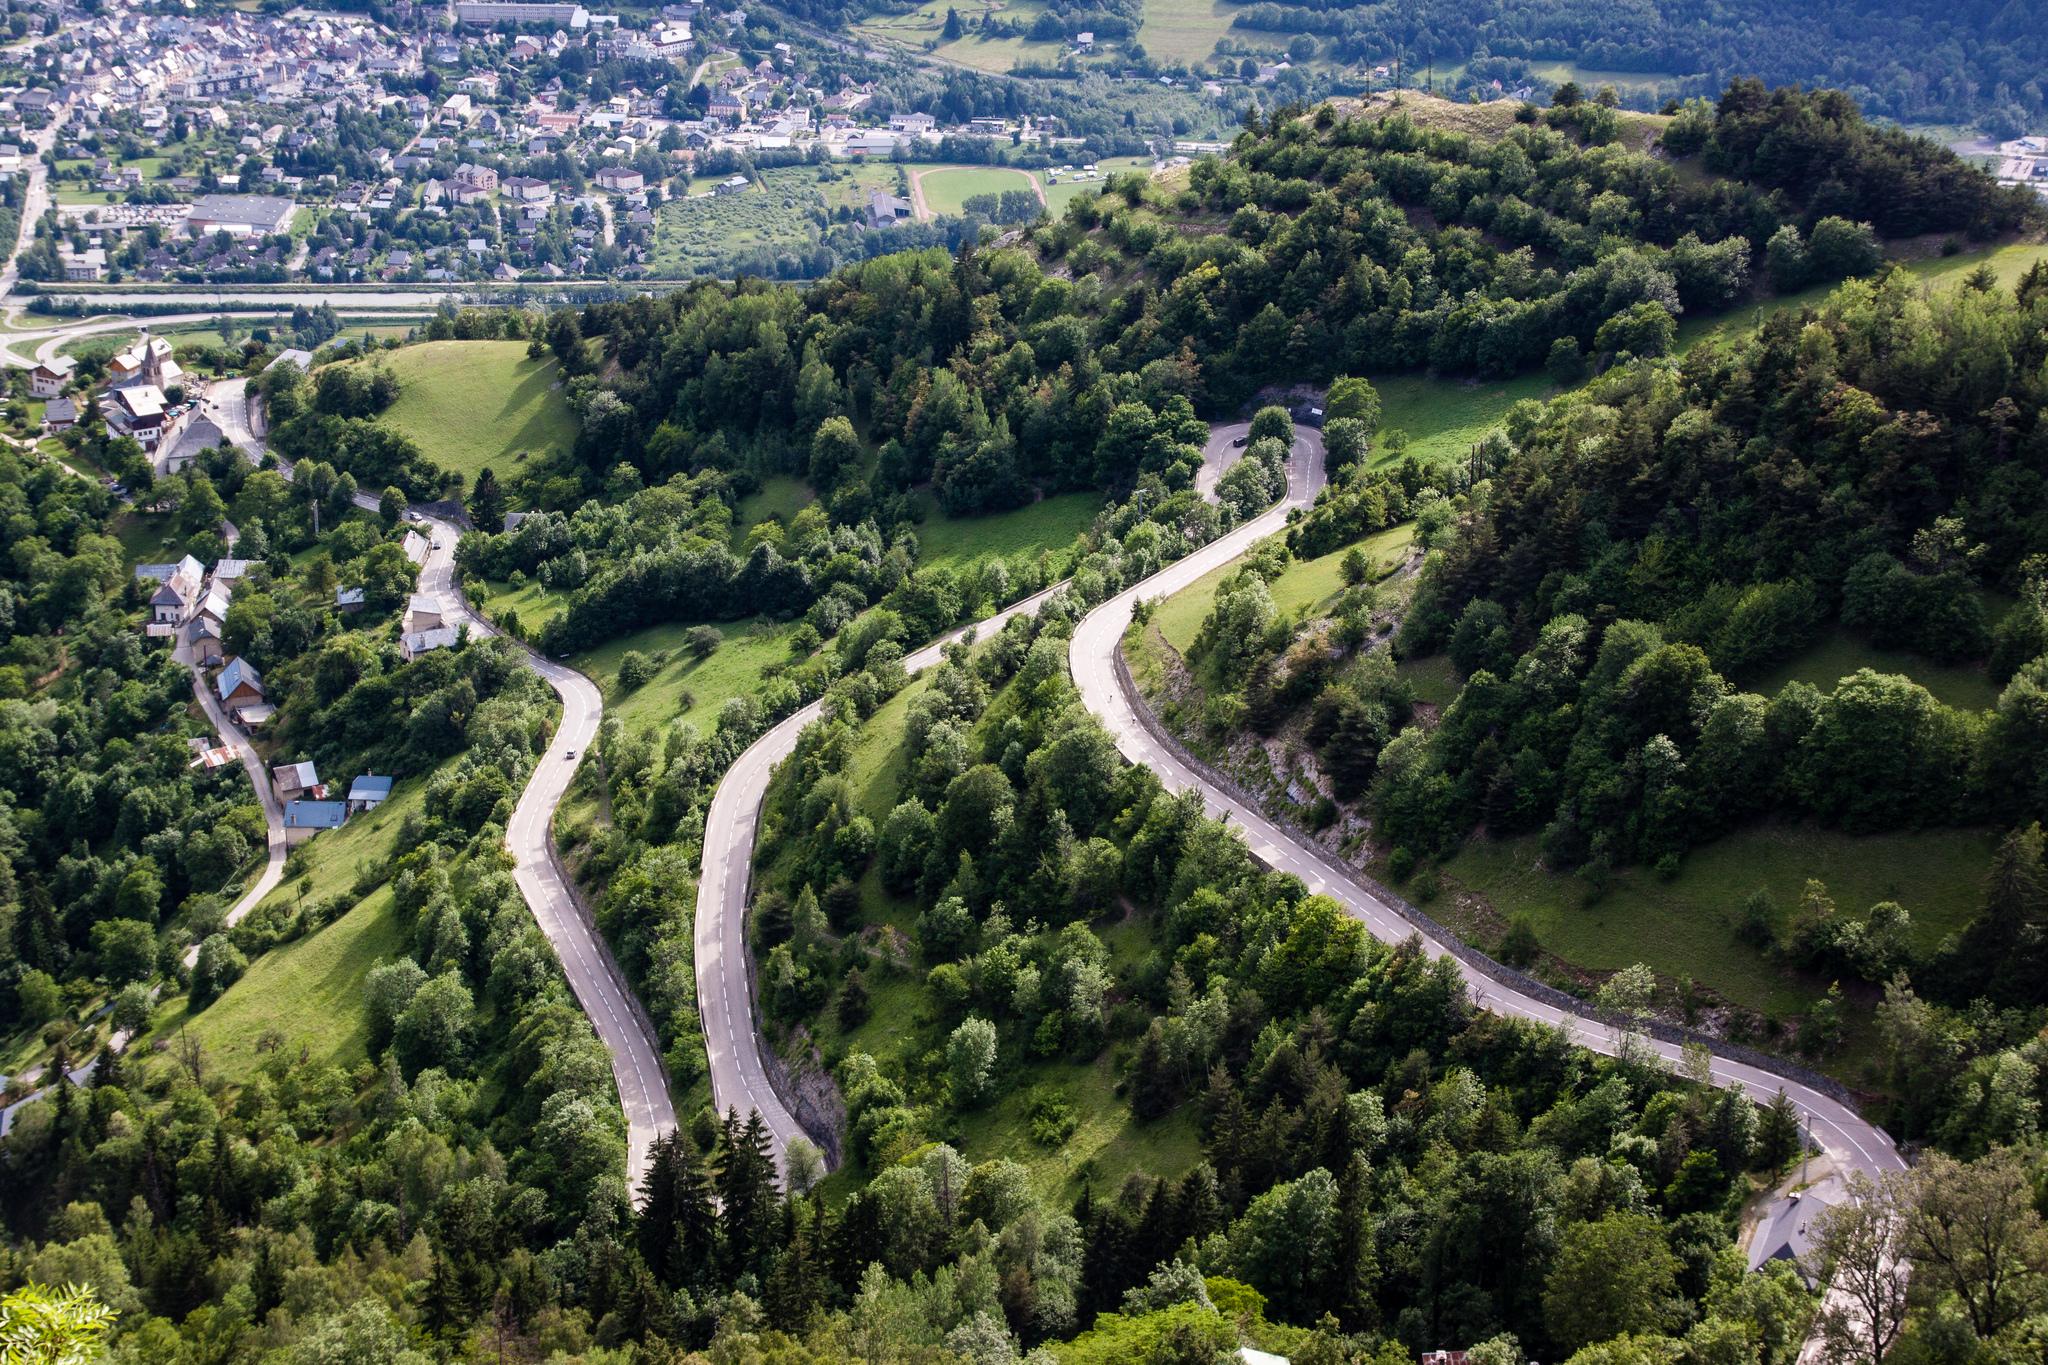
1085,363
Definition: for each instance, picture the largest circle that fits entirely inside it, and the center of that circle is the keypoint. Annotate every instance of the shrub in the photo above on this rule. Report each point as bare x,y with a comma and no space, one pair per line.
636,670
1519,946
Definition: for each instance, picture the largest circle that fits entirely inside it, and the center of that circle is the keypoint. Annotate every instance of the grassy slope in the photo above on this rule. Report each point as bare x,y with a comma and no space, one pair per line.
309,991
1015,536
780,498
1686,926
469,404
733,670
2008,263
1444,418
1304,584
1840,653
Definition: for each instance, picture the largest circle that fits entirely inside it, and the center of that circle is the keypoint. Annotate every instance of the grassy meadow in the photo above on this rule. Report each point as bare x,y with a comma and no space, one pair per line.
308,993
472,404
1685,927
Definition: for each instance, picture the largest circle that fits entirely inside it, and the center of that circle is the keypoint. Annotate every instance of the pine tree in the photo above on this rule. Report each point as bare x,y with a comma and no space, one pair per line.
1777,1139
694,1247
1198,1206
854,1006
1154,1086
746,1194
487,502
655,1228
795,1289
1356,1272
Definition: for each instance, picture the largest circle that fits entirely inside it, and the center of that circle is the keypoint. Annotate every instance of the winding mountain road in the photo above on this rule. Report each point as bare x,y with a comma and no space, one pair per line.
615,1013
739,1067
739,1074
1104,689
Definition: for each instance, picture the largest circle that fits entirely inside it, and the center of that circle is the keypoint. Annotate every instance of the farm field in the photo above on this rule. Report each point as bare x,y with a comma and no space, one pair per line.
786,209
1186,30
692,234
472,404
927,24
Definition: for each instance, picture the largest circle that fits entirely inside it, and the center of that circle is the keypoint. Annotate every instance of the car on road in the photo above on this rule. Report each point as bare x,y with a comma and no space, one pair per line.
570,754
1237,443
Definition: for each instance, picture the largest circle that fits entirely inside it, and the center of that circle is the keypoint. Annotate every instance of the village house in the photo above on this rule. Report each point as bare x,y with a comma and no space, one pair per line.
80,266
60,414
526,189
415,643
348,600
201,434
177,586
203,641
138,411
290,781
49,377
472,183
914,125
621,179
239,685
422,612
303,819
368,792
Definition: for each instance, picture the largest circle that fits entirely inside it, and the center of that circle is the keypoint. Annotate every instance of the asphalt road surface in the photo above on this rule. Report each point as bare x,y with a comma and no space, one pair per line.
621,1023
273,815
725,998
1852,1142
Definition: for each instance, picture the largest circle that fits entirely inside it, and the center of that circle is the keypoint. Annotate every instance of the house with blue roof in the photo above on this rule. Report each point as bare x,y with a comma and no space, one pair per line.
239,684
368,792
304,819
